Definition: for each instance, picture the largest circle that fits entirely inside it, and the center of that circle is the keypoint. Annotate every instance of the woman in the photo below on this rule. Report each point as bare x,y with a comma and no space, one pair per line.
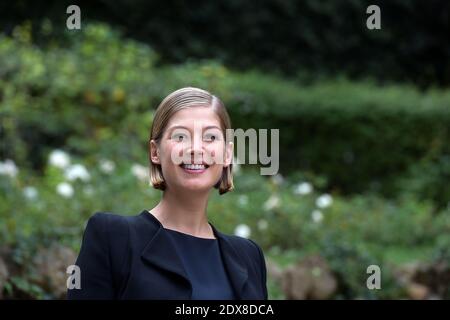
172,251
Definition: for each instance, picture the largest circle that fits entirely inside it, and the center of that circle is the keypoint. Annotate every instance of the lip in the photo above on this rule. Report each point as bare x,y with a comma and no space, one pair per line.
192,171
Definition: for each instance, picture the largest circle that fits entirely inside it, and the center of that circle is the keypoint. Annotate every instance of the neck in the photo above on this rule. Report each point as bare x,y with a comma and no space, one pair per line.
184,212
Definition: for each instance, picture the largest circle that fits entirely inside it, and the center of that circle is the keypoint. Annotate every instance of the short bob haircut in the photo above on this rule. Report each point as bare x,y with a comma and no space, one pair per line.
183,98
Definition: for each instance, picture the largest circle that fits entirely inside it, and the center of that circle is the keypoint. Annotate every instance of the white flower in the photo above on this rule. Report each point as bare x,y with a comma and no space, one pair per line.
59,159
277,179
243,231
263,224
271,203
8,168
77,171
30,193
139,172
317,216
243,200
107,166
65,189
303,188
324,201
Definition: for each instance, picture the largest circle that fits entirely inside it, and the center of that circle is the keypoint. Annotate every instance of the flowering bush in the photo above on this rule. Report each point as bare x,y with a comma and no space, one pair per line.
278,213
96,87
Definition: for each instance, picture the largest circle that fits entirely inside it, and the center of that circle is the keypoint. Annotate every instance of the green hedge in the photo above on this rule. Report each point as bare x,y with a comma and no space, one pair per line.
307,38
360,136
97,94
349,232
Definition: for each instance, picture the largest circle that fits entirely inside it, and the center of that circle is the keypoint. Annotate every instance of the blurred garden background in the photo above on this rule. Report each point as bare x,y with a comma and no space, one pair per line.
364,119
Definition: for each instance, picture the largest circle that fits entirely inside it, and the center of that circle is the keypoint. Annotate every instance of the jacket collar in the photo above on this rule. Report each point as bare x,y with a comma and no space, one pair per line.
161,252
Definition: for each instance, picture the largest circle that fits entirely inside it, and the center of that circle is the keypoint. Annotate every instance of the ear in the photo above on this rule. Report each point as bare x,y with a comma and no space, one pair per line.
154,152
229,148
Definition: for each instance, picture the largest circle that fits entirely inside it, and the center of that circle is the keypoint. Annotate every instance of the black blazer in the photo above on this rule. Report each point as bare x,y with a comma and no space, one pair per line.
133,258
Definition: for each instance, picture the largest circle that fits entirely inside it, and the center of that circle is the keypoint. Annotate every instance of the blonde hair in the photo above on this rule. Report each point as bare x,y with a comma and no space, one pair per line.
183,98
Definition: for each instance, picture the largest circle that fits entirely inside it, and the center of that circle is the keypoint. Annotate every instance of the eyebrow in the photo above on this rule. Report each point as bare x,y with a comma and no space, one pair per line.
183,127
211,127
176,127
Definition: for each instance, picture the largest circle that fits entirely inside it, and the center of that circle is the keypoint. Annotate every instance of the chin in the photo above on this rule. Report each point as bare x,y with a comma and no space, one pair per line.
196,187
198,182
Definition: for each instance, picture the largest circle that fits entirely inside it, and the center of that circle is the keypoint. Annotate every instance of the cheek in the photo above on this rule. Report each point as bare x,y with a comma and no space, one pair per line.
216,154
171,154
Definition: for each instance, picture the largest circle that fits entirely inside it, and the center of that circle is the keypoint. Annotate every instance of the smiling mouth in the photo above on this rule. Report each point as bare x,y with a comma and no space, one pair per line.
195,168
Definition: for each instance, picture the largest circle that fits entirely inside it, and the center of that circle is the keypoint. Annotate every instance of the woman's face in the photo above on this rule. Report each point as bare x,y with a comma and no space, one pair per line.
192,151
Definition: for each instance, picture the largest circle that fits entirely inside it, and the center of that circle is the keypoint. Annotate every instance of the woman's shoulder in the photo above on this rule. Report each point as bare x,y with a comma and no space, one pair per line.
107,221
245,245
117,229
114,220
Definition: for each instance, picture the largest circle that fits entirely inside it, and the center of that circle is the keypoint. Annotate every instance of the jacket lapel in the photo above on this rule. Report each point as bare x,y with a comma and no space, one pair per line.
161,252
234,265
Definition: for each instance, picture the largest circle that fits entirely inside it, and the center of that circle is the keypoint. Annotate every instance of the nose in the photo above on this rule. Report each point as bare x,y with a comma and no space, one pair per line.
195,149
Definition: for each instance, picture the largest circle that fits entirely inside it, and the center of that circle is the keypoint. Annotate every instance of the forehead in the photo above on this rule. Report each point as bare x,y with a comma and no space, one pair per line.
203,116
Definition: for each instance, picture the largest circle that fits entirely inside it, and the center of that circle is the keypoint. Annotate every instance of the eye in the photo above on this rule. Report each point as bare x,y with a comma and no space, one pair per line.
210,137
179,137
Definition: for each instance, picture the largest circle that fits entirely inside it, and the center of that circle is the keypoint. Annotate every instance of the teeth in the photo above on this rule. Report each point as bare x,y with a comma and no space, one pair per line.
194,166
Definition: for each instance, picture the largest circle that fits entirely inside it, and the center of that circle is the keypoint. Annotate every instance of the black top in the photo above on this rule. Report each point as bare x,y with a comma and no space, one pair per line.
203,263
132,257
